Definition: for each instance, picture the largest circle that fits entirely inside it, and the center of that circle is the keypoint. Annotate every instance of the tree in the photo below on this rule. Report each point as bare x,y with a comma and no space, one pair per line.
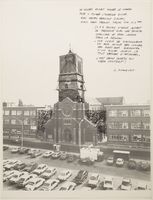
20,103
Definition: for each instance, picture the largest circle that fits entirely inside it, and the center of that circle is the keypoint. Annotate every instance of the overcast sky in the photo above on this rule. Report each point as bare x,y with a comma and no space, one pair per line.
35,33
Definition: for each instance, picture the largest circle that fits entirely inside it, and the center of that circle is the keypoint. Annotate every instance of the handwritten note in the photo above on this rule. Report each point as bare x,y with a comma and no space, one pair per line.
118,33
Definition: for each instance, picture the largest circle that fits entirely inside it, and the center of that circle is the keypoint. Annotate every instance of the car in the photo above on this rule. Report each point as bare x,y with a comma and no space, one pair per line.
40,169
141,186
94,180
50,185
31,151
47,154
64,175
15,149
80,177
31,166
86,161
49,172
63,156
110,160
68,186
34,184
56,155
5,147
107,183
7,161
16,177
36,154
25,179
20,166
11,164
8,174
23,150
70,158
119,162
126,184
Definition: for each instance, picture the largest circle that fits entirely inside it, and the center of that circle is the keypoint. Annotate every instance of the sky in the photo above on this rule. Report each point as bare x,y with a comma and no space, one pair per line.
35,33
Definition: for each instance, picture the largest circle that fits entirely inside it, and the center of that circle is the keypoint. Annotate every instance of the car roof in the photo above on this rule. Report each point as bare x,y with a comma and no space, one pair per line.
94,174
41,165
108,178
68,184
65,170
51,180
35,179
126,179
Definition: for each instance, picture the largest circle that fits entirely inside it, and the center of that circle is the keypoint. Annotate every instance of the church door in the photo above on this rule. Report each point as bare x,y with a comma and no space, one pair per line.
67,136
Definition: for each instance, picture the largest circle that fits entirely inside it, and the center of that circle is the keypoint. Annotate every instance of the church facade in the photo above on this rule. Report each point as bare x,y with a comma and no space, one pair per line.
69,124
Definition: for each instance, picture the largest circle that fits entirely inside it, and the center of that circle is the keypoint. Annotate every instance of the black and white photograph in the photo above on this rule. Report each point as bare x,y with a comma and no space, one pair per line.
76,98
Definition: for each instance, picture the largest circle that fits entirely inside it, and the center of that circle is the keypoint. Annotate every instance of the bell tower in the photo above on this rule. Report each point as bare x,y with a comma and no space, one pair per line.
71,81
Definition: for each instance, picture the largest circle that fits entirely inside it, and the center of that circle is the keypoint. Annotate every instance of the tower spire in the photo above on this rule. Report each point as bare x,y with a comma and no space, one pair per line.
70,48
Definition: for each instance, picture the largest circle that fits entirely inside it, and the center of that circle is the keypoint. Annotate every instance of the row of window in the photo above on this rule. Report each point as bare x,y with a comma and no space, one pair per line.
15,131
134,138
20,112
126,113
26,121
125,125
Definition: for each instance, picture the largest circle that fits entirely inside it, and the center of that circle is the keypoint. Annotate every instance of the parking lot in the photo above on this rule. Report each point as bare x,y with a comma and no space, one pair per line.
99,167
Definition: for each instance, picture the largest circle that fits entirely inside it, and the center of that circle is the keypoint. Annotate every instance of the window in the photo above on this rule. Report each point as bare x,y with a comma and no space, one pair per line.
123,125
19,112
146,113
123,113
66,86
67,122
13,121
32,122
136,125
121,138
13,112
26,121
32,113
112,113
6,121
146,138
137,138
13,131
6,132
26,132
135,113
6,112
146,126
26,112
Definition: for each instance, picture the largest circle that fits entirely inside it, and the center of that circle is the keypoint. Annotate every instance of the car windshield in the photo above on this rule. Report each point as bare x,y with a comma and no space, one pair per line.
108,182
93,178
48,171
31,183
126,183
141,188
21,179
62,188
62,173
15,176
46,184
110,158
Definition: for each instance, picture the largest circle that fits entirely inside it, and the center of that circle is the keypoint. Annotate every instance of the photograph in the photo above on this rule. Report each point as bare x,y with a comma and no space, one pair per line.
76,98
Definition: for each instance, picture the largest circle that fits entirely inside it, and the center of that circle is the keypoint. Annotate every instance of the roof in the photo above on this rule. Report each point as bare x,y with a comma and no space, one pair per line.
111,100
93,101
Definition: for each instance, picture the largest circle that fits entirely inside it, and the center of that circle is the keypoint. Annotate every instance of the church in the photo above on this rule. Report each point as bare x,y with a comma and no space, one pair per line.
69,125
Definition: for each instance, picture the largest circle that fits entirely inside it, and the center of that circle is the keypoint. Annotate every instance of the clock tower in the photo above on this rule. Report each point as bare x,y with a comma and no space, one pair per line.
71,81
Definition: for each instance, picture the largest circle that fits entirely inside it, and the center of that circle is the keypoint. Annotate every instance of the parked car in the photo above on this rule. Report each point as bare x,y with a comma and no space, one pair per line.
56,155
40,169
63,156
86,161
94,179
110,160
126,184
80,177
49,172
23,150
15,149
119,162
48,154
11,164
5,147
31,151
141,186
25,179
16,177
85,188
50,185
36,154
64,175
7,161
34,184
68,186
20,166
31,166
107,184
8,174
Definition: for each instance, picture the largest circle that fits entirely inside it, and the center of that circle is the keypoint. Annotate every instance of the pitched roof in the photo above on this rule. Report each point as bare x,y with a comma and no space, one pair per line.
111,100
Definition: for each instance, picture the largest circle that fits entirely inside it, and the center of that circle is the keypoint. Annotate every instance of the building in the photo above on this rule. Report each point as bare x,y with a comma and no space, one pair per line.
20,118
69,124
128,125
94,104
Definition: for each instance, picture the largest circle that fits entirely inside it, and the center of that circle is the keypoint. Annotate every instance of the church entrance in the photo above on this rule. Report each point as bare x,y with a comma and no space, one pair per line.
67,136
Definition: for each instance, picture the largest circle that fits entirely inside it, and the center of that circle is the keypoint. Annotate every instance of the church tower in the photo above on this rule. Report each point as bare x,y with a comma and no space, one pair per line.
71,81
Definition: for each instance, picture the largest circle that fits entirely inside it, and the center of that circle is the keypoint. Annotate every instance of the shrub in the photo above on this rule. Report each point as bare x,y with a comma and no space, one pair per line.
132,164
144,166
